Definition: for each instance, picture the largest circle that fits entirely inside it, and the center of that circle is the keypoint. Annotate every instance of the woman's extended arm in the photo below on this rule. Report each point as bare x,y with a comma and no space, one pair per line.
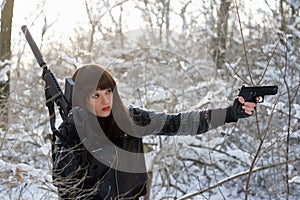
188,123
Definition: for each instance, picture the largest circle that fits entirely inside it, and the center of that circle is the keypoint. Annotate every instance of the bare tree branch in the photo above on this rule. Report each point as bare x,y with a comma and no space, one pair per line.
236,176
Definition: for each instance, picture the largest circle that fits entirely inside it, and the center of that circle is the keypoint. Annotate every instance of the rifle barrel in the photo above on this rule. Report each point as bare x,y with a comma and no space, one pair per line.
36,51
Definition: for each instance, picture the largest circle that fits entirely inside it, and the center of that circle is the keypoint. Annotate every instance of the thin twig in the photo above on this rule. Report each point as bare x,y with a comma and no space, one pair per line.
236,176
262,139
235,72
244,45
289,116
268,63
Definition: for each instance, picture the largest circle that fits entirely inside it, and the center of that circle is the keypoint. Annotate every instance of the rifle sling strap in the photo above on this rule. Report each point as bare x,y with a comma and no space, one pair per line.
50,106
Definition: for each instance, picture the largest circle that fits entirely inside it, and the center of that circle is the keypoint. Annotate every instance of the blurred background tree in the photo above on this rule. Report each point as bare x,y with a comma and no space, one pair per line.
5,56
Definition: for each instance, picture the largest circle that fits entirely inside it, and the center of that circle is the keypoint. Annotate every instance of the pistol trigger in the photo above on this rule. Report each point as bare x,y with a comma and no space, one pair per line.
260,99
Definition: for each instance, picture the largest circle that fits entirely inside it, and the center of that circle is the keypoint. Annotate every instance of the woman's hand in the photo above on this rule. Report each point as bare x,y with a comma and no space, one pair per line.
240,109
248,107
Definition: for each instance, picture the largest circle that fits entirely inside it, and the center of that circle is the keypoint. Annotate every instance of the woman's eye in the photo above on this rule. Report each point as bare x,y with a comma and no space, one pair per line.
95,96
108,91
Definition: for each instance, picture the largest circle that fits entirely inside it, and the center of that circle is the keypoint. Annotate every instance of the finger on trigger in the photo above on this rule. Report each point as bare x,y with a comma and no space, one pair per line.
241,100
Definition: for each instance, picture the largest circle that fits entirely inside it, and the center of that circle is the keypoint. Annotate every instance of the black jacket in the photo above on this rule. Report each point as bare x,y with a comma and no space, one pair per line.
89,165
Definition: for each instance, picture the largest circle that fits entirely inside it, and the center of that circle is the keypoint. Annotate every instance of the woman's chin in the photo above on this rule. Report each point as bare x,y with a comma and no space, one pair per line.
103,114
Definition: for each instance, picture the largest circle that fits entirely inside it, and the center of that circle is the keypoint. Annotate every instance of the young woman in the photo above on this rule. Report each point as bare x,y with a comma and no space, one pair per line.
102,156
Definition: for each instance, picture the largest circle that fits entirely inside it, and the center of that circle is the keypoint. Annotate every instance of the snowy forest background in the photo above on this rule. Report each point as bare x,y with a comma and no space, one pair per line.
172,56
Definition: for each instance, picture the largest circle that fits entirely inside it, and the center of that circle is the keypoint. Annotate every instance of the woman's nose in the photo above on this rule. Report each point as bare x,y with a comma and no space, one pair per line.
105,100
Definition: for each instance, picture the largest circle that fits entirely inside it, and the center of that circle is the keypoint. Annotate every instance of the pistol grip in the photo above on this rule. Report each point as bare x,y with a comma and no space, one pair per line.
240,112
237,109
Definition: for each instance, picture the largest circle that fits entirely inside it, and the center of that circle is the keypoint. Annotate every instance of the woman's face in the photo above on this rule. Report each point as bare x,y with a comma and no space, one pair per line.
100,102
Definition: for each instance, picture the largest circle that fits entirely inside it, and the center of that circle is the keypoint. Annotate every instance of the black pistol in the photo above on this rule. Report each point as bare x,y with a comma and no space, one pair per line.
250,93
255,94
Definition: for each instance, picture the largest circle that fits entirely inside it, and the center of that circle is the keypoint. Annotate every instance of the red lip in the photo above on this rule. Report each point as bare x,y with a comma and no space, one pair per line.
107,108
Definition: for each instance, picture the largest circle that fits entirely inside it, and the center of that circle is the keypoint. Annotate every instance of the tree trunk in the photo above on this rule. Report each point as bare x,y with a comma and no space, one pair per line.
221,33
5,56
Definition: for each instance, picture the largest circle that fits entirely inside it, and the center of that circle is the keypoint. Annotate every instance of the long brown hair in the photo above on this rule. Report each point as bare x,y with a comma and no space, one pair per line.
92,77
